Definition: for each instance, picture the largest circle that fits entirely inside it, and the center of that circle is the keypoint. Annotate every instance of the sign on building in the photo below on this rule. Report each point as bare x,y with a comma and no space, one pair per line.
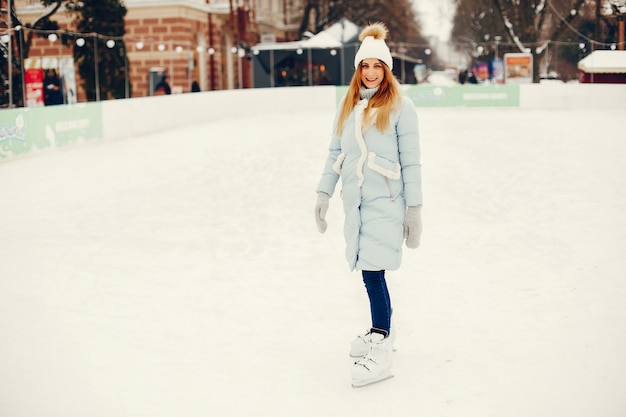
518,68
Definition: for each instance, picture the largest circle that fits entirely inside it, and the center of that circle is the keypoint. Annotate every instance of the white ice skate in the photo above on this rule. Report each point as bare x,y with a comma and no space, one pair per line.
360,346
375,366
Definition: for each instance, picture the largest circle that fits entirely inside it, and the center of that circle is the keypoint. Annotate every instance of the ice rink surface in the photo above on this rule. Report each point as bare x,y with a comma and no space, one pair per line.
181,274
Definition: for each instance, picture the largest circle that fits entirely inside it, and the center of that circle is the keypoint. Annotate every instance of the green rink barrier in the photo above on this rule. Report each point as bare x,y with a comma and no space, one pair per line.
457,96
464,95
26,130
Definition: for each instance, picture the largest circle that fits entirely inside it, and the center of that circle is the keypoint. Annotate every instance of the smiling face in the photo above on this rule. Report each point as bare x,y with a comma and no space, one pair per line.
372,72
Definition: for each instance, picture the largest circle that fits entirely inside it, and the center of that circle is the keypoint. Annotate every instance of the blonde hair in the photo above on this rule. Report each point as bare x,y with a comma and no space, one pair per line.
384,101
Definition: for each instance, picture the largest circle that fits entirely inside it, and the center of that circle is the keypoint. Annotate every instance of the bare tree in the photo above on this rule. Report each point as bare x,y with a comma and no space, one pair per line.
105,18
398,16
23,41
522,26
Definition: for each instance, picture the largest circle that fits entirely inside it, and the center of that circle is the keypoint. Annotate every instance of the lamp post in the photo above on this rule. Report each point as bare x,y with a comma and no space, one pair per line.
272,82
616,9
309,66
95,54
621,16
497,39
10,53
19,32
126,80
620,32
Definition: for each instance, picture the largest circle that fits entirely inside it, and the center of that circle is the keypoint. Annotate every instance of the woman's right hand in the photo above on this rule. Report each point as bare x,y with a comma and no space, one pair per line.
321,208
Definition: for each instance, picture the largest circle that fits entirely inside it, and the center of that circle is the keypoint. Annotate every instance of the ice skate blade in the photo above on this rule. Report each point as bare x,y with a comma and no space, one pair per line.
361,384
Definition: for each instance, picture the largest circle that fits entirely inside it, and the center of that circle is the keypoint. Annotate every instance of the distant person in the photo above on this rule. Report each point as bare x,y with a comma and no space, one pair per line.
462,77
375,151
53,94
163,87
195,87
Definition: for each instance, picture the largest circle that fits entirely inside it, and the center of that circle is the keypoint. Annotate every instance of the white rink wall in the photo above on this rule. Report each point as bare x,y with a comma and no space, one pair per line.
24,132
560,96
128,118
136,117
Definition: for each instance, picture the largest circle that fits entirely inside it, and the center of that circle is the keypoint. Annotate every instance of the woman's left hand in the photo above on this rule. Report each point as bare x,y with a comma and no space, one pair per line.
413,226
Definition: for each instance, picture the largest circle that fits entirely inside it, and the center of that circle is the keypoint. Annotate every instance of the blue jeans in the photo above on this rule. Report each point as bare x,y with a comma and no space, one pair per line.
380,303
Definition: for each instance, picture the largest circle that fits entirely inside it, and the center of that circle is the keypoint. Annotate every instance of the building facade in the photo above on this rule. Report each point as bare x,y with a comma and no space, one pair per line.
203,41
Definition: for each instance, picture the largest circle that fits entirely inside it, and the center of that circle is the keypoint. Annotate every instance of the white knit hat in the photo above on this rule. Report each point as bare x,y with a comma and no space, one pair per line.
373,45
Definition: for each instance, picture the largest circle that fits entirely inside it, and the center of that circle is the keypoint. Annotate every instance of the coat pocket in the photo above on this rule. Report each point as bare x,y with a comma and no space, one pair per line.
339,163
385,167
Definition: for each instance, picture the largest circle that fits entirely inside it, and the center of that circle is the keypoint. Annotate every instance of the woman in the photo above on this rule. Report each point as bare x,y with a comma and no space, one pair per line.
375,151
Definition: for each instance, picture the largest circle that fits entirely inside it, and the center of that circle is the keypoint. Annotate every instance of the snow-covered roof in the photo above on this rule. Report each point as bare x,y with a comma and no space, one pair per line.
604,62
344,31
322,40
335,36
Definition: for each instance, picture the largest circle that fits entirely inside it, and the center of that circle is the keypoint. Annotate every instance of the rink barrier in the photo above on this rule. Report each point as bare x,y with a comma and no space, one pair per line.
457,96
25,131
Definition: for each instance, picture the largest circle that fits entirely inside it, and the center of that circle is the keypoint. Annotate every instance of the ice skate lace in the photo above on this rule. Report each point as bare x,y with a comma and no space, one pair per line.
366,360
363,337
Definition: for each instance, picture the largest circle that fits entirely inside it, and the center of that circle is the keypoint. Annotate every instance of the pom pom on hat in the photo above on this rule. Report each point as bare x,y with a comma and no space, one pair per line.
373,45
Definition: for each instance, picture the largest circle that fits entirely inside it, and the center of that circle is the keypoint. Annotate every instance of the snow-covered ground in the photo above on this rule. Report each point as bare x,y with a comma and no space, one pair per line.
181,274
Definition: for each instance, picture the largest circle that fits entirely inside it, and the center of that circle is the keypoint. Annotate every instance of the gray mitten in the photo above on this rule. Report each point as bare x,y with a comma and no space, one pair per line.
321,207
413,226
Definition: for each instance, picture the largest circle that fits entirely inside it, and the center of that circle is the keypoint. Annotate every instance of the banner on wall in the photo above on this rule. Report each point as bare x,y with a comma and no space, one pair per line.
518,68
33,82
482,95
23,131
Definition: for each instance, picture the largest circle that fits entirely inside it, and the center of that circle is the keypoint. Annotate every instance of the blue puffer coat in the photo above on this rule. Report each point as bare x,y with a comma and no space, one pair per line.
381,176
